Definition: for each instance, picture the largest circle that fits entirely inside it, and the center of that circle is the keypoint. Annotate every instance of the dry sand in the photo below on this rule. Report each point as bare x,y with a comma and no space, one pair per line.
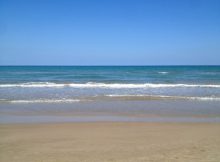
110,142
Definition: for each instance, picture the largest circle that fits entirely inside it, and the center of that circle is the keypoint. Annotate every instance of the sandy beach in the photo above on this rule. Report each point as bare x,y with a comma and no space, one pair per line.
110,142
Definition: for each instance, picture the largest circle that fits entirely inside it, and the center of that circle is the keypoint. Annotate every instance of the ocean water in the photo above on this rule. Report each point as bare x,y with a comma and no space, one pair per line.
26,84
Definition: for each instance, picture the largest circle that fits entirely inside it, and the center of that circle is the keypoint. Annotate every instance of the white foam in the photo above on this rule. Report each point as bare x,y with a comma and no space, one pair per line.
204,98
45,101
114,96
106,85
32,84
169,97
163,72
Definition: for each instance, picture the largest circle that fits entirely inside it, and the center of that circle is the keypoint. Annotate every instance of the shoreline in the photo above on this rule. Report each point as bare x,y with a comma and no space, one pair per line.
93,118
116,111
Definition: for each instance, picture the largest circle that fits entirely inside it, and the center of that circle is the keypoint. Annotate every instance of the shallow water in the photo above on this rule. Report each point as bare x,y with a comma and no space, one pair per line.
143,111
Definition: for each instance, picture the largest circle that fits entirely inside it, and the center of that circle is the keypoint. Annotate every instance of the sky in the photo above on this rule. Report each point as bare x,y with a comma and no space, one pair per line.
110,32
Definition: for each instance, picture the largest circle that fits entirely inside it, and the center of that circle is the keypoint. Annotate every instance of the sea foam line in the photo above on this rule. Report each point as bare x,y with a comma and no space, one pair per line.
166,97
106,85
126,97
45,101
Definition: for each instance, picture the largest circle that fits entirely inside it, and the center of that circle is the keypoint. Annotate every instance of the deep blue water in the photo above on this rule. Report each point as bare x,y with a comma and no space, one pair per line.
73,83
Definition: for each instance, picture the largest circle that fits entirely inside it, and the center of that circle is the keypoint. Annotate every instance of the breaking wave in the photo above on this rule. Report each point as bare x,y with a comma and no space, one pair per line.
165,97
113,97
106,85
42,101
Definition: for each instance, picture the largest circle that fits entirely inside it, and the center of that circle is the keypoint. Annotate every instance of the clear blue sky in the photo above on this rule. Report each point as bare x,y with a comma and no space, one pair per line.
113,32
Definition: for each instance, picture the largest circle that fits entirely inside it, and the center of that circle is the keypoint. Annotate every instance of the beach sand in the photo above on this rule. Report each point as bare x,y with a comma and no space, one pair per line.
110,142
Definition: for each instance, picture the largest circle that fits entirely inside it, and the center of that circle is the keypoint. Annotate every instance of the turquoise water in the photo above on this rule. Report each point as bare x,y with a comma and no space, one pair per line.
111,74
79,83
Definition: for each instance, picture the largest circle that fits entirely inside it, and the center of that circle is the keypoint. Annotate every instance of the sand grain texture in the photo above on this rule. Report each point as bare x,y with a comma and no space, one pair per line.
110,142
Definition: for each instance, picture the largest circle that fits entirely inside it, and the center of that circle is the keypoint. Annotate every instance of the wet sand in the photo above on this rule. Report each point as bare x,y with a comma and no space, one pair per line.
110,142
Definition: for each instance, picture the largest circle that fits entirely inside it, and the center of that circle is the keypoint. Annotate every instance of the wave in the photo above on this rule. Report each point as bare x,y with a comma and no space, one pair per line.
33,84
113,97
42,101
163,72
154,97
106,85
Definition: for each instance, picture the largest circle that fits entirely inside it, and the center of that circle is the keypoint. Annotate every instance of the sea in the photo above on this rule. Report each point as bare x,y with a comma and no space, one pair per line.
111,89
